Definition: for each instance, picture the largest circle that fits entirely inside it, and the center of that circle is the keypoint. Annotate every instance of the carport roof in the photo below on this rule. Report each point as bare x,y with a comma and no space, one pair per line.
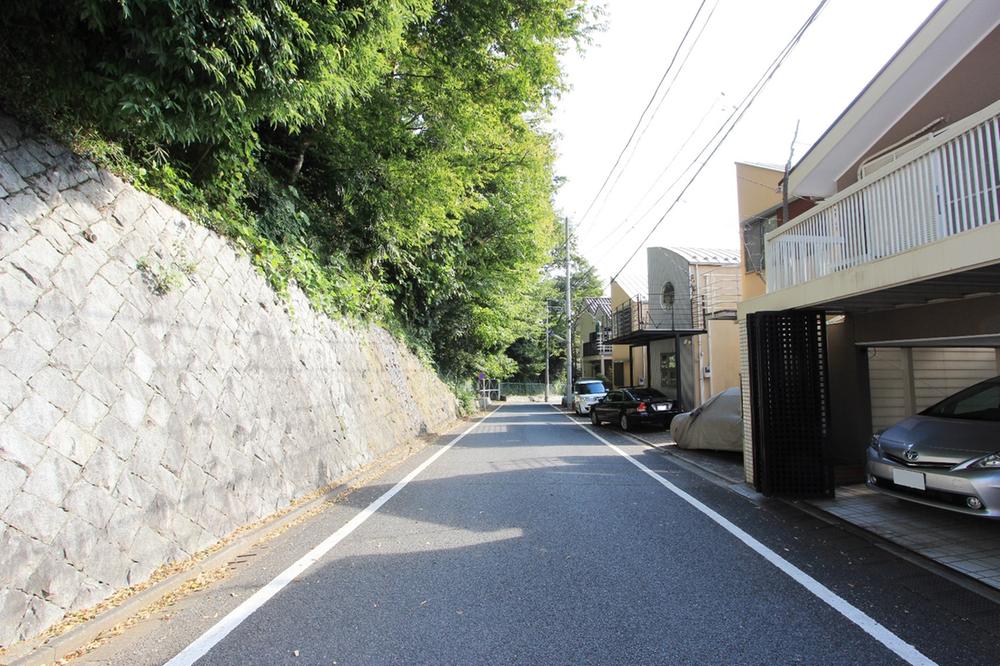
648,335
975,282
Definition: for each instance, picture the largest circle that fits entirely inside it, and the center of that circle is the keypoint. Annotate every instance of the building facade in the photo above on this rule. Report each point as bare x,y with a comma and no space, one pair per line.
592,331
675,329
884,296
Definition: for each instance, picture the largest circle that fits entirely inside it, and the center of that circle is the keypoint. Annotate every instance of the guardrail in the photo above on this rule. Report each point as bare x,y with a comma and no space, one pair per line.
947,186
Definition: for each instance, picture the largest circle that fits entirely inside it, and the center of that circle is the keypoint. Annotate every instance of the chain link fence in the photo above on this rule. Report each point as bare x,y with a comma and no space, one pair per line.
530,389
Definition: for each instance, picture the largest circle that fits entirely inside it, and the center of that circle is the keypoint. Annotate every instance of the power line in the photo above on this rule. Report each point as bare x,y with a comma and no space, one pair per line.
680,69
619,237
663,97
737,115
635,129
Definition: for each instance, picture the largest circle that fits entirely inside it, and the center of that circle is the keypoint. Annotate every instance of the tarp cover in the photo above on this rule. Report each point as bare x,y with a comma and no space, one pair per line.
716,425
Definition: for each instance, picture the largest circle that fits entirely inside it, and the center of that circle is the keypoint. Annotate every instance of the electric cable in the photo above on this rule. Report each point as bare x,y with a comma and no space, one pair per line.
613,235
635,129
652,116
732,122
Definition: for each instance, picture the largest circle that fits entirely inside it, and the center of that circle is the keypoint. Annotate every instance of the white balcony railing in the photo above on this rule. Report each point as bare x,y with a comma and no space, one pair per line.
946,187
719,293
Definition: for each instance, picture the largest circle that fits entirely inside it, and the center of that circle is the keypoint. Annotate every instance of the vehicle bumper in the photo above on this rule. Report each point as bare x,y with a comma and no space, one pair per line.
945,488
659,419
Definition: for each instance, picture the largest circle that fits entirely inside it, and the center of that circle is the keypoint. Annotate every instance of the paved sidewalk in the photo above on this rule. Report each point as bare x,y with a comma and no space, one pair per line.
967,544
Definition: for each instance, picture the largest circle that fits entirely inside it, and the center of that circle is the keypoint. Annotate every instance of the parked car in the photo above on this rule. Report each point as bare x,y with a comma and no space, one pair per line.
585,393
947,456
717,424
631,407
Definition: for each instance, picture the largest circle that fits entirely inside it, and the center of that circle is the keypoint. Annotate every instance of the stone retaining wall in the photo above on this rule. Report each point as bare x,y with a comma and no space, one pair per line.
155,394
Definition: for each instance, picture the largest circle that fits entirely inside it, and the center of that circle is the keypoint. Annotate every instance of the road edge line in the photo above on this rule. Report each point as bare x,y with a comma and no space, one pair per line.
862,620
209,639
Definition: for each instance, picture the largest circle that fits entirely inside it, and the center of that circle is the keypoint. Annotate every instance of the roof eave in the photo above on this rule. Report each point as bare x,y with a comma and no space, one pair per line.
948,34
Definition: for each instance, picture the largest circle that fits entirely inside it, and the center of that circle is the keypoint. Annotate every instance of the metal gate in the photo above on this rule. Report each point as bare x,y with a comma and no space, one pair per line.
790,403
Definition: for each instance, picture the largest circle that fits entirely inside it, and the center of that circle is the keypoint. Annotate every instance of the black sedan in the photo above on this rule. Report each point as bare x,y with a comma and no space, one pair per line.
631,407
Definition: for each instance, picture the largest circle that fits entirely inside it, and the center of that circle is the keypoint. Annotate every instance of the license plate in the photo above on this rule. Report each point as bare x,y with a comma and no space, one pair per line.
660,408
908,479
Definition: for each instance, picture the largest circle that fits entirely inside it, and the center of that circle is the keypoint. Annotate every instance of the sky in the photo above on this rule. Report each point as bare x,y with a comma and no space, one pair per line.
612,80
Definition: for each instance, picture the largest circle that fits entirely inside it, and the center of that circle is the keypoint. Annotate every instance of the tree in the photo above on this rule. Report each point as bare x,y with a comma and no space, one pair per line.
585,283
386,154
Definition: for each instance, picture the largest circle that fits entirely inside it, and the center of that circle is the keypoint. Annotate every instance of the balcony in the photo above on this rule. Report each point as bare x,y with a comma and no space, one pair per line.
638,321
947,186
597,346
719,294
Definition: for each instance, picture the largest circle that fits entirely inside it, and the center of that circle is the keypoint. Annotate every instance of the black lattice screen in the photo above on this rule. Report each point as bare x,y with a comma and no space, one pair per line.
790,403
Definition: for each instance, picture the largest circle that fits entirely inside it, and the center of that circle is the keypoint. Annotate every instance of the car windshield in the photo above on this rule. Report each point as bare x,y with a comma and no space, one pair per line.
647,394
976,403
589,388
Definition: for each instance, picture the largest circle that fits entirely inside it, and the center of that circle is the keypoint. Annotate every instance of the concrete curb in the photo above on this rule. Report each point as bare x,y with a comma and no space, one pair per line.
37,652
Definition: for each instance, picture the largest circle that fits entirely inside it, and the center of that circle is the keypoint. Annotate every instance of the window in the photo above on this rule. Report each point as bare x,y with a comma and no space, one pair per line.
667,296
589,388
980,403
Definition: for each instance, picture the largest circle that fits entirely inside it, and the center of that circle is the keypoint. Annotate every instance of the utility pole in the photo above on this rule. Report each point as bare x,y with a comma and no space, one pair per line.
569,327
784,181
547,354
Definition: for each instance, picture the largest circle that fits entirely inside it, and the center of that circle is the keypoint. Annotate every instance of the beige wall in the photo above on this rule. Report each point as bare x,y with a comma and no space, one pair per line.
722,354
585,325
758,188
719,347
619,353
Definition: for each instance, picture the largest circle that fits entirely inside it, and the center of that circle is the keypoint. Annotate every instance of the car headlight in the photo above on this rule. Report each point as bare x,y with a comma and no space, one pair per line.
876,439
991,461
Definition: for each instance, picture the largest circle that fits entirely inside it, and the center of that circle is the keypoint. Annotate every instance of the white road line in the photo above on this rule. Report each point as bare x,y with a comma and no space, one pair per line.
868,624
210,638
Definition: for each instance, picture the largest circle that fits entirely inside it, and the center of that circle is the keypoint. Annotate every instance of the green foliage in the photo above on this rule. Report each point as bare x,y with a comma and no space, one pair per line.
386,155
550,293
205,71
161,277
465,394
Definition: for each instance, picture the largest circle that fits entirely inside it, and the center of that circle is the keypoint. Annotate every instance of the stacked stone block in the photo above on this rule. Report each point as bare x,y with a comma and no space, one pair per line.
155,393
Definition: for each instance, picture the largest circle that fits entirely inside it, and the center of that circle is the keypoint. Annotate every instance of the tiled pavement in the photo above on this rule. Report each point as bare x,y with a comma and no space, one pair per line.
967,544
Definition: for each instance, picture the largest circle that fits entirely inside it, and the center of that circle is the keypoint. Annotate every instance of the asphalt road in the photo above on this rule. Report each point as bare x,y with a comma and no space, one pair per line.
530,541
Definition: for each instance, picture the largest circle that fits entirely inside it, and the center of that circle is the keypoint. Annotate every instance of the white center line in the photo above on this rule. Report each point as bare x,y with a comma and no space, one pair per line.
868,624
223,627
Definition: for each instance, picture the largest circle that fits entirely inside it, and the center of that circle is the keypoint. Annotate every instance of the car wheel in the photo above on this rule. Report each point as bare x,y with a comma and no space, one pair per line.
593,418
623,422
